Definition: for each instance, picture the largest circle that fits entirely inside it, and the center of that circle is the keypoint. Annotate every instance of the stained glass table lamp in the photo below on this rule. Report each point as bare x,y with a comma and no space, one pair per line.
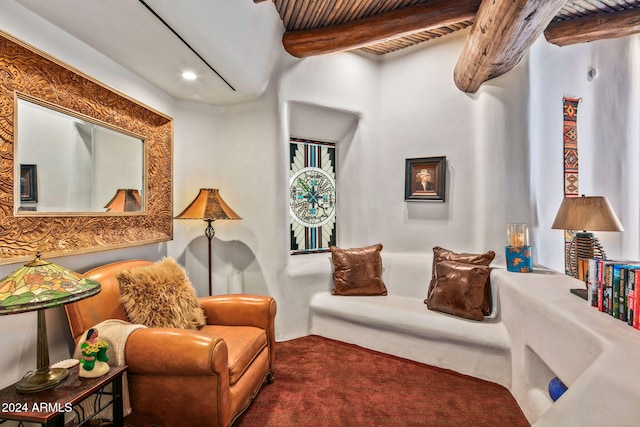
39,285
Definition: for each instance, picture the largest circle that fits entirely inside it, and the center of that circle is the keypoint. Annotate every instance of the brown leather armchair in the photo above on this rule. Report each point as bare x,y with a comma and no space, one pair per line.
180,377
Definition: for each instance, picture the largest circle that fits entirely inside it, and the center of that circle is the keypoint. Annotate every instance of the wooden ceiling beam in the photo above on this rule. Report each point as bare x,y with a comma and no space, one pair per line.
378,28
502,32
594,27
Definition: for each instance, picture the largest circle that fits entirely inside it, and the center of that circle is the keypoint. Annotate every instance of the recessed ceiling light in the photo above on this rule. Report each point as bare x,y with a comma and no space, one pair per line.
189,75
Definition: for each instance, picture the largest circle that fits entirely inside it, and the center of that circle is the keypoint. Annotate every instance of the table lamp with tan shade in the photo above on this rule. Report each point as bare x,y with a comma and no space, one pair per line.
592,213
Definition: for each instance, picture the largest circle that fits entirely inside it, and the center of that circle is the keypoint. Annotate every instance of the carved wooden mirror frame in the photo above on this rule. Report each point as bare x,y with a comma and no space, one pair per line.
27,70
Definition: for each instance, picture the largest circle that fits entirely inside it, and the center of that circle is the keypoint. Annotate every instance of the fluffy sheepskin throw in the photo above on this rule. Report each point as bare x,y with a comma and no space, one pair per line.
160,296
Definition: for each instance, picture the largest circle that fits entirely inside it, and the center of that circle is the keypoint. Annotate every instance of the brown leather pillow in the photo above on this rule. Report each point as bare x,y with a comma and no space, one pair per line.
357,271
440,254
459,289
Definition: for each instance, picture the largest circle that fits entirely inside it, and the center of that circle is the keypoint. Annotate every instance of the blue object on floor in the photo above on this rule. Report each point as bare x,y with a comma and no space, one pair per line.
556,388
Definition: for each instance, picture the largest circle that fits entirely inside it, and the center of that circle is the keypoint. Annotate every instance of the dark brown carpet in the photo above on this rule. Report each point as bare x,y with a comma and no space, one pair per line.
321,382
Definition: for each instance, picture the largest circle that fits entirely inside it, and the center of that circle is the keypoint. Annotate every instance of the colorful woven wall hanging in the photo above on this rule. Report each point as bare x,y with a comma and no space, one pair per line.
570,141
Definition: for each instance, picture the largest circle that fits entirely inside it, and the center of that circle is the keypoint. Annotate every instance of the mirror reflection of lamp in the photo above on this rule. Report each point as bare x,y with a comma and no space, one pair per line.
39,285
125,200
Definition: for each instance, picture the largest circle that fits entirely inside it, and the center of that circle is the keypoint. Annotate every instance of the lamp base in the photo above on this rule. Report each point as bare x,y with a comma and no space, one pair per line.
583,247
42,379
582,293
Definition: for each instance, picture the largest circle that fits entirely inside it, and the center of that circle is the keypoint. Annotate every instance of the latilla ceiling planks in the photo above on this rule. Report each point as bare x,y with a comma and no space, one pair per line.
579,8
309,14
402,42
312,14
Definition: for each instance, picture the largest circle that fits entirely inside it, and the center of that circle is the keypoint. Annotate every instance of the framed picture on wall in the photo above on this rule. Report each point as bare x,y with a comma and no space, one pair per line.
425,179
28,183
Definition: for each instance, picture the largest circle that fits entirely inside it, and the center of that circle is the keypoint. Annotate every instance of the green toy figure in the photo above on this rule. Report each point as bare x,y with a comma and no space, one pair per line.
93,362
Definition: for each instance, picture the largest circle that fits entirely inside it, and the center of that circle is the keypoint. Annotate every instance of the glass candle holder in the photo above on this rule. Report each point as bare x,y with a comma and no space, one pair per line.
518,250
517,235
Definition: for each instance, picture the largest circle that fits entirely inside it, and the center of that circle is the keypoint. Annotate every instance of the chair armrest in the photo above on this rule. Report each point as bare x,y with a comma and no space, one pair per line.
172,351
244,310
240,310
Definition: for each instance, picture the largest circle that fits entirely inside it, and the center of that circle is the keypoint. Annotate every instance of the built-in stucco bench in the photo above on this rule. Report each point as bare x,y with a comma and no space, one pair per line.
539,331
401,324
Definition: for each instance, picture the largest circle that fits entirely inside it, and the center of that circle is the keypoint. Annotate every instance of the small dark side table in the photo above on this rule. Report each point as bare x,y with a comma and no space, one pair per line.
48,407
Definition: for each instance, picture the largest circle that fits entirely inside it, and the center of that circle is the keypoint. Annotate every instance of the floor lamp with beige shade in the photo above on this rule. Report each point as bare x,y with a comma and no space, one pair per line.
208,206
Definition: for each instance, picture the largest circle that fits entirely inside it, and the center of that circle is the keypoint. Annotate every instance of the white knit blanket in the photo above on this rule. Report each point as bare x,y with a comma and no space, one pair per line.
115,333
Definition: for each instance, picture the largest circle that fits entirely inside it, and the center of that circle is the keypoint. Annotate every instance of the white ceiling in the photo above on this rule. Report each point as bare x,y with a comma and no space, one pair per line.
241,40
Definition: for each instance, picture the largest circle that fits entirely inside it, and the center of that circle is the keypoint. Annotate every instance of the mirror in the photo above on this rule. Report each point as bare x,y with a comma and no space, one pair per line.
35,217
72,164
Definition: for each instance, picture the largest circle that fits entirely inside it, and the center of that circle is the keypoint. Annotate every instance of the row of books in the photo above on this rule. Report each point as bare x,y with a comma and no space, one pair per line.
611,285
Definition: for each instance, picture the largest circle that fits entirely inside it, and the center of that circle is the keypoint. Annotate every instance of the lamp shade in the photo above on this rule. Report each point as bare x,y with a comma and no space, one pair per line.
43,284
593,213
208,205
39,285
125,200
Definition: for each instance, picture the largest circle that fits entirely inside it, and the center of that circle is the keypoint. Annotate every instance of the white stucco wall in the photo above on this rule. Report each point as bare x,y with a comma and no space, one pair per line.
608,138
503,146
483,136
402,107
